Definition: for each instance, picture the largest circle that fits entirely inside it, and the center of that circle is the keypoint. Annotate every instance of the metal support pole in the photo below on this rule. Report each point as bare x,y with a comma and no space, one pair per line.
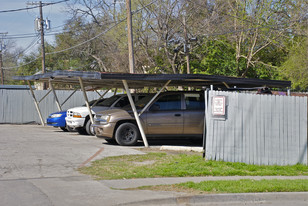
86,99
44,96
56,97
69,97
36,104
131,101
101,96
206,99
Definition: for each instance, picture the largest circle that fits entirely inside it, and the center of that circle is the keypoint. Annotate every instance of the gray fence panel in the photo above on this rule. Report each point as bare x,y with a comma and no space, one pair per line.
17,106
259,129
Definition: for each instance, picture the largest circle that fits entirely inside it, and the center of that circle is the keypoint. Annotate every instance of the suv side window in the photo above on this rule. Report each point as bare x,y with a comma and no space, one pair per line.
194,101
123,102
168,102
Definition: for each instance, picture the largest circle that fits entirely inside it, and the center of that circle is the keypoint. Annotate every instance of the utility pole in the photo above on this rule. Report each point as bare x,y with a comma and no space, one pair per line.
2,46
130,37
42,38
1,66
40,27
186,49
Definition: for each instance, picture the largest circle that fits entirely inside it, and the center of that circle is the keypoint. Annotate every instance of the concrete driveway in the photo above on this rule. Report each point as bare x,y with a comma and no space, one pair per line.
38,166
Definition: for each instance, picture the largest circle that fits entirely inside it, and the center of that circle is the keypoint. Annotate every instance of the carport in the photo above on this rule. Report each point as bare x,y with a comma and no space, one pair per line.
128,81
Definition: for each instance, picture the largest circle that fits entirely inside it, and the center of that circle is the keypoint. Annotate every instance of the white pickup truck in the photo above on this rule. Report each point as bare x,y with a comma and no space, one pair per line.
79,119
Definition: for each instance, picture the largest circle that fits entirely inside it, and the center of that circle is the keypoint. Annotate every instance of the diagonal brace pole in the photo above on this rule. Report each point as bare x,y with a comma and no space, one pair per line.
131,101
36,104
86,99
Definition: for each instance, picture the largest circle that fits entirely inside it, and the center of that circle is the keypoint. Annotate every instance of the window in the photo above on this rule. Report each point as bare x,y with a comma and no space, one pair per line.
108,102
194,101
168,102
123,102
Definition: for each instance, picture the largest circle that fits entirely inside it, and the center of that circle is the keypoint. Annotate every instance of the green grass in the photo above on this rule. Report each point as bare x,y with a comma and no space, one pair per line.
248,186
157,164
236,186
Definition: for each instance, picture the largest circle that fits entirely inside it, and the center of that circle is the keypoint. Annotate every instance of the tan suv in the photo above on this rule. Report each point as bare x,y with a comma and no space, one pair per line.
179,114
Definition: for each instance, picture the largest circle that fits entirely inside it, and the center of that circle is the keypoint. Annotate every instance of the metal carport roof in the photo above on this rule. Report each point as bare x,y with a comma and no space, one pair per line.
114,80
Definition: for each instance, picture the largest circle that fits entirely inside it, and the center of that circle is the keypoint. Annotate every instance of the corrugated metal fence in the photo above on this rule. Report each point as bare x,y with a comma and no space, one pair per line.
258,129
17,106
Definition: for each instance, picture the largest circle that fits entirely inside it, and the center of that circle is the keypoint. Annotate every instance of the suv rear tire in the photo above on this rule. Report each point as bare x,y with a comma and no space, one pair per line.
127,134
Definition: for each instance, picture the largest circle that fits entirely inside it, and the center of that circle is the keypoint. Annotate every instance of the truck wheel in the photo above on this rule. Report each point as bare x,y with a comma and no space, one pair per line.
89,128
127,134
81,131
70,129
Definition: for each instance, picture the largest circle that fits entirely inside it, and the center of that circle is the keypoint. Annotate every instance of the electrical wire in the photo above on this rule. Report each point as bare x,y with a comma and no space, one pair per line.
56,52
100,34
15,67
32,43
34,7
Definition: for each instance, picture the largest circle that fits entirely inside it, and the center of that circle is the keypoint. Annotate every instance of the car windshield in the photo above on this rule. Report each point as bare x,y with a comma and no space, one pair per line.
141,103
109,101
93,101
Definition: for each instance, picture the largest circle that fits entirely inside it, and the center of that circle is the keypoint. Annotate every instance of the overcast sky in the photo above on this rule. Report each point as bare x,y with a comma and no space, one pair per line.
22,22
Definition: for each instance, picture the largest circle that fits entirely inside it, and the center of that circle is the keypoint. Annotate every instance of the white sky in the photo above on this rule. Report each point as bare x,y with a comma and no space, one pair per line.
22,22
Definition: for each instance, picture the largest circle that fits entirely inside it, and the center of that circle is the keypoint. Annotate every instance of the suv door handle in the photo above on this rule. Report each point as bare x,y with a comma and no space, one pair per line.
177,115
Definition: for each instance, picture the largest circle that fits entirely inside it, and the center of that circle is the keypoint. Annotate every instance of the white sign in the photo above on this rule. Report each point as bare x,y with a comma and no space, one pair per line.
219,106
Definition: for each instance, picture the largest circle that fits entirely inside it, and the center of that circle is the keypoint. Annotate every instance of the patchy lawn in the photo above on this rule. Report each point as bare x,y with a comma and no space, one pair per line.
162,164
235,186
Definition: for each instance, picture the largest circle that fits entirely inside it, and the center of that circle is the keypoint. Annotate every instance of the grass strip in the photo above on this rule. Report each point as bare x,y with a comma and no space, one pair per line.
158,164
242,186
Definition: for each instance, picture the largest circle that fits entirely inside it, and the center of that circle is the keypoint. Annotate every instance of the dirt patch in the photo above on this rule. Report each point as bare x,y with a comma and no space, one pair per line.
149,162
156,149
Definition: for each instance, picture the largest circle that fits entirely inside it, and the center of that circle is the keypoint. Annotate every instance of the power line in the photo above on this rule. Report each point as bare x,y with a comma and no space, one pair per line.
84,41
32,43
95,37
15,67
34,7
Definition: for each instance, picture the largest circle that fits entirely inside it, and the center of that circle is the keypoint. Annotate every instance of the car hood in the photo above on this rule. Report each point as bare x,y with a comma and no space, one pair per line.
60,112
114,112
85,109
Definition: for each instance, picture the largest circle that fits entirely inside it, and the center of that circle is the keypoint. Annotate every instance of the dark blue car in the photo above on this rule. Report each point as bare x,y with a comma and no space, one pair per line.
57,119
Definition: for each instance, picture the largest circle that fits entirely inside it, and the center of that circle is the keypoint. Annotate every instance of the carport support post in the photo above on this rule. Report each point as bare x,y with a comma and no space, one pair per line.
131,101
86,99
56,97
206,99
36,104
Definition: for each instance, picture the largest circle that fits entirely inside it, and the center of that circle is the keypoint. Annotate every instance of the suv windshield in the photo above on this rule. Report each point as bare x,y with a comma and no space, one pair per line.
141,103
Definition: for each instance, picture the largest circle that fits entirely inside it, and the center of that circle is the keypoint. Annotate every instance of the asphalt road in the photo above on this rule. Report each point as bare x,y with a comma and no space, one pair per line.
38,166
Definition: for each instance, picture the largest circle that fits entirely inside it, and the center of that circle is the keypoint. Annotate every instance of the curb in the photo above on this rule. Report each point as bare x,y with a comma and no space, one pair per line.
241,198
182,148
